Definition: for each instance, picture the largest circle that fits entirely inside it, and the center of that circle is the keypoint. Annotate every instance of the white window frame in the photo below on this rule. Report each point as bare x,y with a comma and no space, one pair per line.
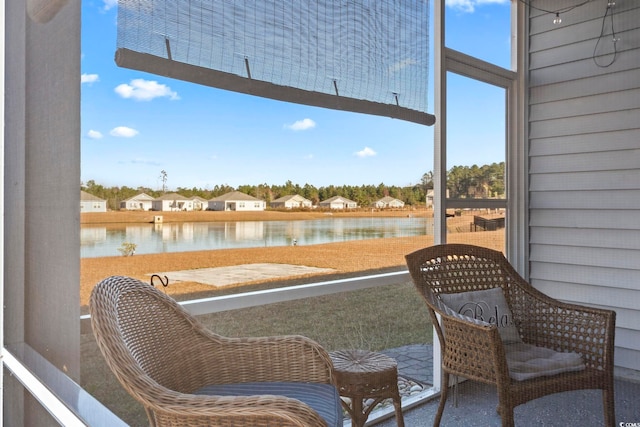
2,117
449,60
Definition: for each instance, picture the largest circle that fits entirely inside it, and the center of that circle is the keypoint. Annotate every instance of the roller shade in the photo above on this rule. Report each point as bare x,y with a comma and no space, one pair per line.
355,55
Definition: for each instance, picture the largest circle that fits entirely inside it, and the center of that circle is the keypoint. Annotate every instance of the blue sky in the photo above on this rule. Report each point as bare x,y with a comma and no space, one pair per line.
135,124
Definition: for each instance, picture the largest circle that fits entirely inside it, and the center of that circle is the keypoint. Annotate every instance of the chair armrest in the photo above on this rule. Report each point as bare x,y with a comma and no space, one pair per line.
291,358
473,349
171,408
546,322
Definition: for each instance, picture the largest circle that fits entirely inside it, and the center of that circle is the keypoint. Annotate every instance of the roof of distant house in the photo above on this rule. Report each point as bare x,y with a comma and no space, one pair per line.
289,197
234,195
171,196
84,196
141,197
337,198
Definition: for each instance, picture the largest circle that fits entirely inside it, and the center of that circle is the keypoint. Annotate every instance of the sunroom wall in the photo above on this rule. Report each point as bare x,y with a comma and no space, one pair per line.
41,193
584,164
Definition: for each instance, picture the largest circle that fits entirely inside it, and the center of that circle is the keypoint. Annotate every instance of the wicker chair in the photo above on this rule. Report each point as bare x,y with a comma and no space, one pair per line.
475,350
185,375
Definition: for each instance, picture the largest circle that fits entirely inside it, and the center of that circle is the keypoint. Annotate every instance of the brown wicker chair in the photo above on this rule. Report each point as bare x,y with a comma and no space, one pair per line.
474,349
162,356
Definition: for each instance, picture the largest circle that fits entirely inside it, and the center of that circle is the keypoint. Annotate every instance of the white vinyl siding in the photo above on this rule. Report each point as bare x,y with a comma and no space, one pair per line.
584,165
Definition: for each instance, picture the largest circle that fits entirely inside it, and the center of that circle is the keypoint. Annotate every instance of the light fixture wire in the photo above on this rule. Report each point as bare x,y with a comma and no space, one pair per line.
610,4
608,12
556,11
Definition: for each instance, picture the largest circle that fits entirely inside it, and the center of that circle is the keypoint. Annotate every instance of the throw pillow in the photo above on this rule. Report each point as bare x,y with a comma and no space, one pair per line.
487,305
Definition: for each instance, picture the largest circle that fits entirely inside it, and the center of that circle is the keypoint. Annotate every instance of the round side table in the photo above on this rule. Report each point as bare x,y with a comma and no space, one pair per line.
361,375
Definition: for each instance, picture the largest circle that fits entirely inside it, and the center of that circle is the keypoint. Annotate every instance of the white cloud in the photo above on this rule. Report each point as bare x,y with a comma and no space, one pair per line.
469,6
123,132
308,157
110,4
151,162
94,134
303,124
145,90
89,78
365,152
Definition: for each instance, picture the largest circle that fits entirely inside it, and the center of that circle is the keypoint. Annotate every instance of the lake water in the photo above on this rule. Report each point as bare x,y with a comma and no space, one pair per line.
98,241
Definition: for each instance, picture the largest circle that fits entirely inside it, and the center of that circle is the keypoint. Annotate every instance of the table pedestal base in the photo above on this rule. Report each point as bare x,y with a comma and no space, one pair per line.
363,375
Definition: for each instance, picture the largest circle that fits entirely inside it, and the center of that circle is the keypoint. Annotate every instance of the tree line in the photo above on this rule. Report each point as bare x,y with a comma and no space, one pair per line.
462,181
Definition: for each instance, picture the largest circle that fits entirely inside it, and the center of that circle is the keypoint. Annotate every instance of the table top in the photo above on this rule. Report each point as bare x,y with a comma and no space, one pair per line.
361,361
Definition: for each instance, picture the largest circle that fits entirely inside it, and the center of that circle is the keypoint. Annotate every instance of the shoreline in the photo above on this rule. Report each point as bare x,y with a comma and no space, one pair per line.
127,217
346,258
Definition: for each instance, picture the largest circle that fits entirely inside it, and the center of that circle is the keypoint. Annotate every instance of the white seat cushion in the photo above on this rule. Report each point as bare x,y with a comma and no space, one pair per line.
527,361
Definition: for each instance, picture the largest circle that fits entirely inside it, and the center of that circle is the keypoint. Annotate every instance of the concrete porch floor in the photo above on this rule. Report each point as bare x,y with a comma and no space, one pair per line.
477,402
477,407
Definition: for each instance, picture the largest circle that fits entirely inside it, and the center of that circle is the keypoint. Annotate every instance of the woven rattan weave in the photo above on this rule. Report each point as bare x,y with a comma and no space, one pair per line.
161,354
362,374
475,351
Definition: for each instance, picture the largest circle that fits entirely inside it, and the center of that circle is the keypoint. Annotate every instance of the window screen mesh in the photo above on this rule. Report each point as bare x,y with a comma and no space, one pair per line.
368,56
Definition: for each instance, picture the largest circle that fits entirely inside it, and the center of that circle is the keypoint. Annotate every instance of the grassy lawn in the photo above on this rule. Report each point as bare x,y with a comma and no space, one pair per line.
374,319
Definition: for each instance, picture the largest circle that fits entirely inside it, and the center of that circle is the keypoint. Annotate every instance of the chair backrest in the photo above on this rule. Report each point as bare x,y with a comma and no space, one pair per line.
145,336
454,268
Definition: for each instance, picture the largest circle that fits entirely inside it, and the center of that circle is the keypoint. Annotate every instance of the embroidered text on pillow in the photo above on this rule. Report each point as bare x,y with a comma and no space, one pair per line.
482,310
487,305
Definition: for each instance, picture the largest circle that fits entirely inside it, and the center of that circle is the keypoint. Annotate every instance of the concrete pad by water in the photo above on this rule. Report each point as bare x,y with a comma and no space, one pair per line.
225,276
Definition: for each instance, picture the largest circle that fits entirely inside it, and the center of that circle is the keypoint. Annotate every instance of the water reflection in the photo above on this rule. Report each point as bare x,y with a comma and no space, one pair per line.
97,241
